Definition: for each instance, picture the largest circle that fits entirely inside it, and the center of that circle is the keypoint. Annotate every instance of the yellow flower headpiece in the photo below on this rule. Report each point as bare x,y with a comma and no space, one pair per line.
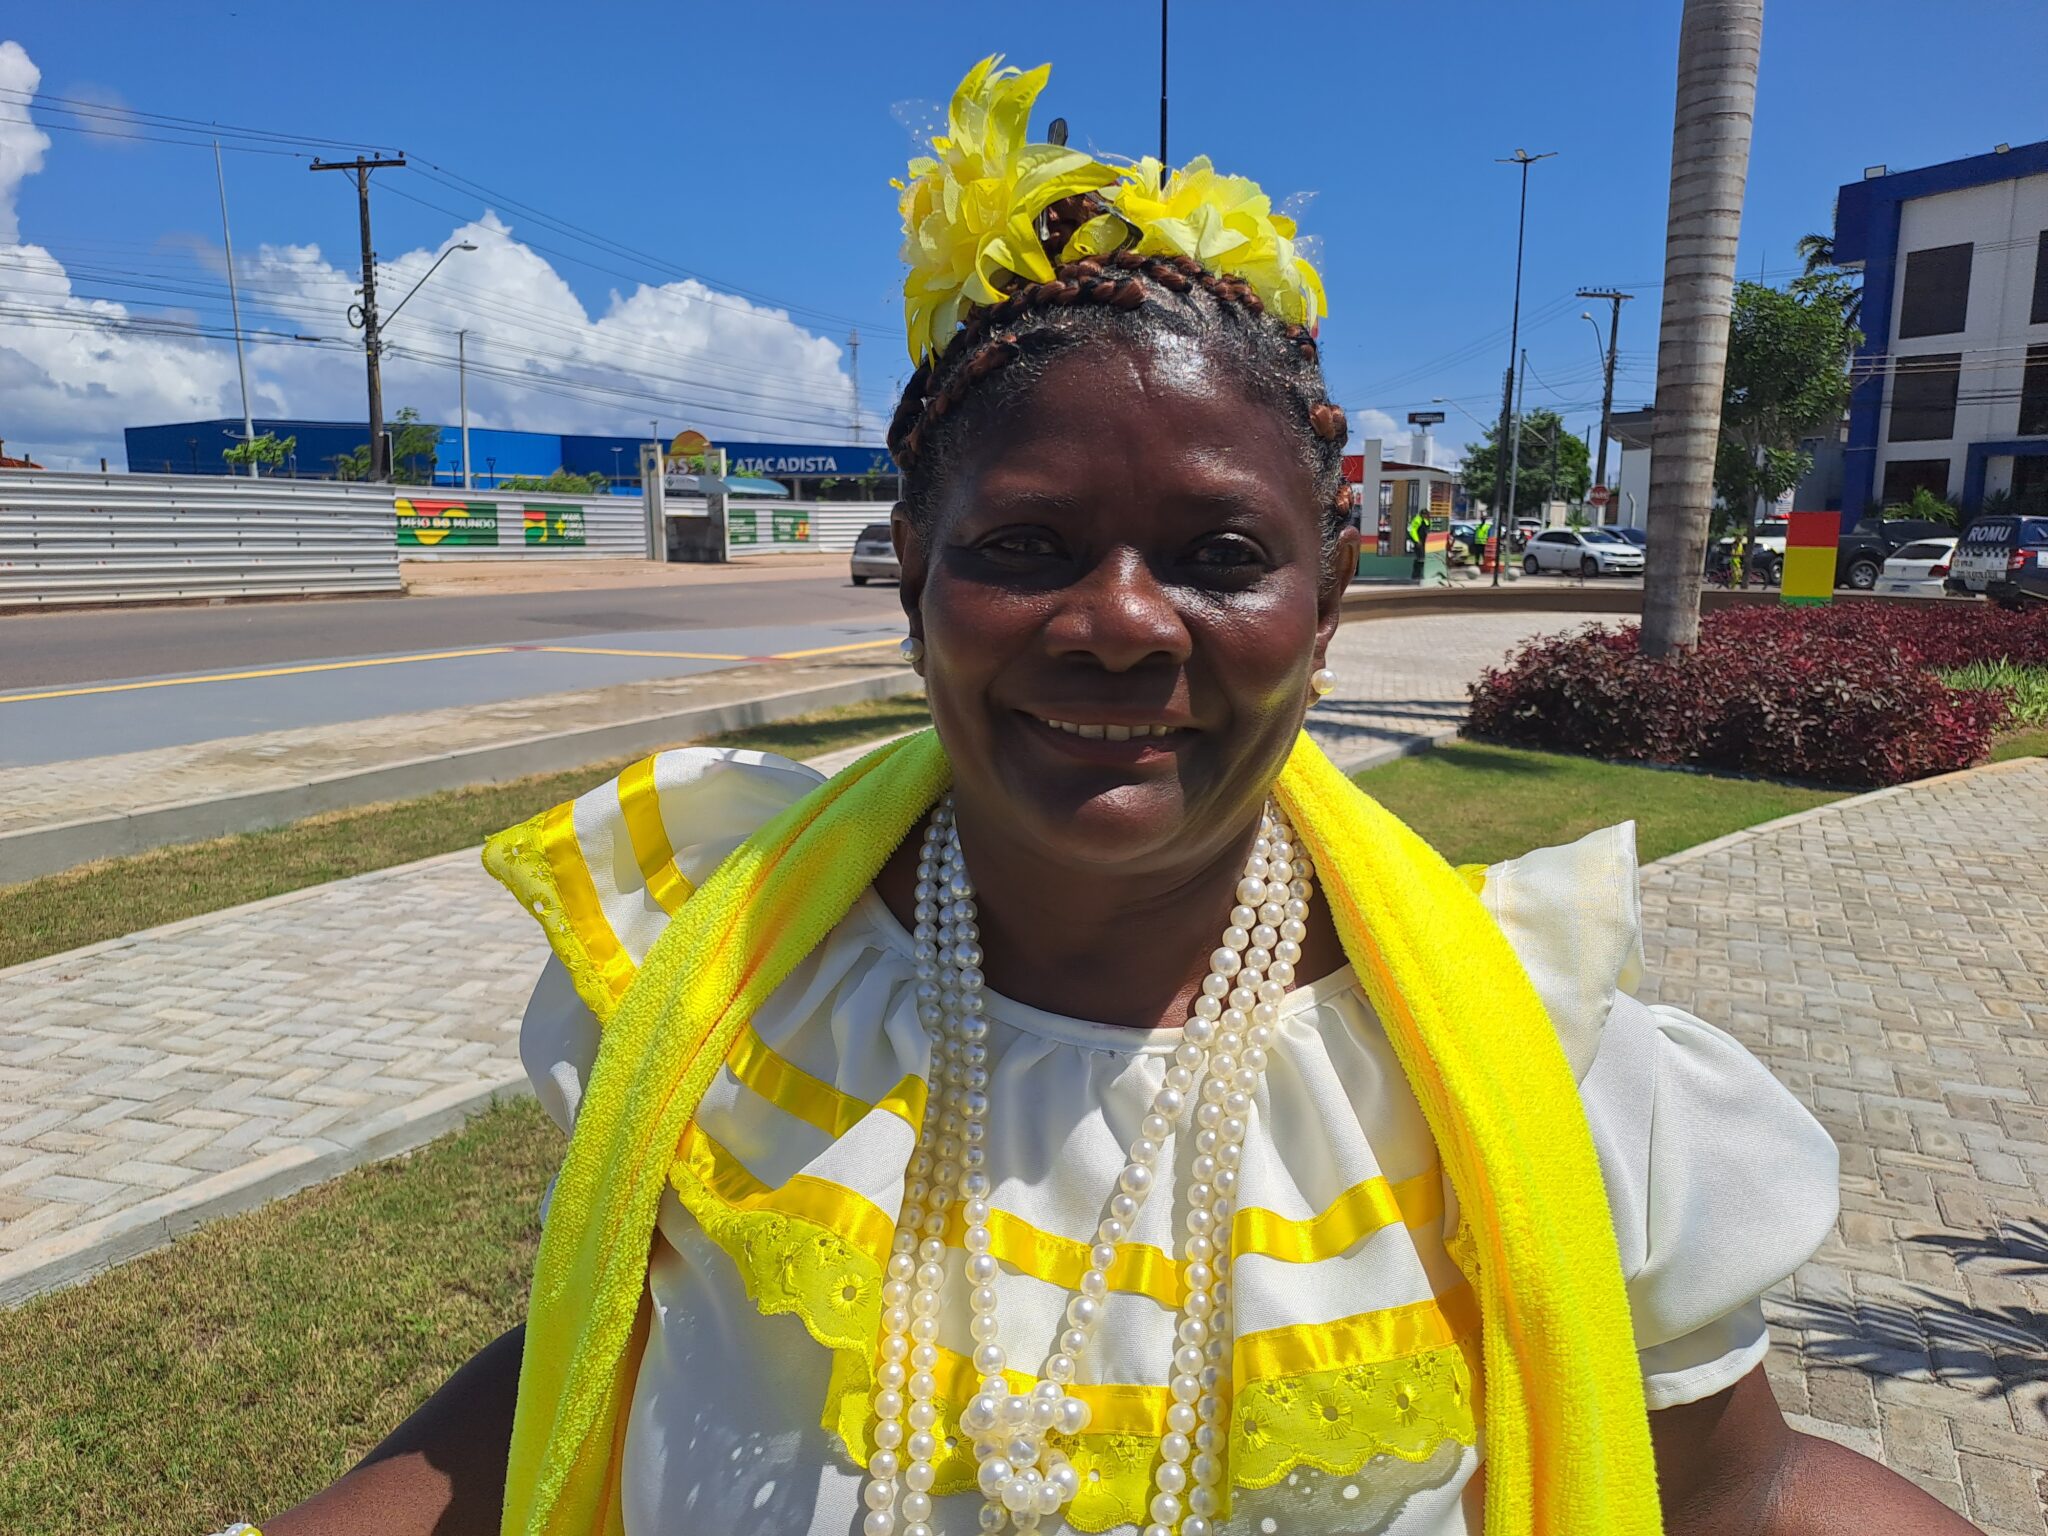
973,224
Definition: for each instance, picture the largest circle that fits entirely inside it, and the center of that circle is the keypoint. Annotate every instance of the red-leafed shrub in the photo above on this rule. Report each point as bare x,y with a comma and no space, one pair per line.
1840,695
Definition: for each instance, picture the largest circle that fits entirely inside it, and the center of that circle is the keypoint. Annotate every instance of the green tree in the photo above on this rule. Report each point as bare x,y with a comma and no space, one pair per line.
266,449
1545,442
1787,379
1817,251
414,448
561,482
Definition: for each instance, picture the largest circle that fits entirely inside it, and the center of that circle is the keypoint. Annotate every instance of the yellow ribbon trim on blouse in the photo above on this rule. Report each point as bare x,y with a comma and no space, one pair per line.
1567,1435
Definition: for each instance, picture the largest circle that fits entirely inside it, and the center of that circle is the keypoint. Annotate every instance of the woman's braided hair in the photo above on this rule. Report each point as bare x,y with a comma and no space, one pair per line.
1002,351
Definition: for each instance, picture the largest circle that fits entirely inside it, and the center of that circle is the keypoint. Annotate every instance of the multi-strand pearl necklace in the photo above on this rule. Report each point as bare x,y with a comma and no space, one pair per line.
1023,1474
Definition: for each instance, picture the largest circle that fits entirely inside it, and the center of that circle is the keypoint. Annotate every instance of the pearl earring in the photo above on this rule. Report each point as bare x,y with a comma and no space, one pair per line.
912,651
1323,681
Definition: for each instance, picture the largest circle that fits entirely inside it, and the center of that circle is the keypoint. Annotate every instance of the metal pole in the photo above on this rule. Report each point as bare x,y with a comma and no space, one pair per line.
1510,393
1616,298
235,306
380,467
853,353
1163,161
1514,453
462,376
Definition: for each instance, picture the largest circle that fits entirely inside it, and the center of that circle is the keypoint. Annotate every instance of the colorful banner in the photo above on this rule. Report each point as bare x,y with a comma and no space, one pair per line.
741,526
447,524
791,527
560,526
1810,546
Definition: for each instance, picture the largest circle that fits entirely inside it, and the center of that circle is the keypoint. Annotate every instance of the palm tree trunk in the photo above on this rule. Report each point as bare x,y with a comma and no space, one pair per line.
1718,43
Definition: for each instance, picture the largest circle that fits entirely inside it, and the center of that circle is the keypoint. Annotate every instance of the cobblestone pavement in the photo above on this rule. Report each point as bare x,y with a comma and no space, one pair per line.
1400,679
1888,958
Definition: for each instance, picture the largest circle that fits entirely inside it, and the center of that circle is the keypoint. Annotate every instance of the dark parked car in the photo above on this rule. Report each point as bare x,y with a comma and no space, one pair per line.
2004,557
1635,536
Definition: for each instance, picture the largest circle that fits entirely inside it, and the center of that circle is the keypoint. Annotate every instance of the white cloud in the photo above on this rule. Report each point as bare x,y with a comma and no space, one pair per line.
1397,438
21,142
75,370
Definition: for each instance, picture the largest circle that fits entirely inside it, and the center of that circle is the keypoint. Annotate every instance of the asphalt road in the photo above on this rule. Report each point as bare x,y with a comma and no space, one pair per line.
54,650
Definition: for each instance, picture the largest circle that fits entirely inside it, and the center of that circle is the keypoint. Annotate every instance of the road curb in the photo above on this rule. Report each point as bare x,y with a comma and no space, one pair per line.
1833,807
84,1251
35,851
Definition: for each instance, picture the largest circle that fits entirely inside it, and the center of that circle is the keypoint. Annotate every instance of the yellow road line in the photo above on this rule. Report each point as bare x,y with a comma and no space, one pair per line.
394,661
236,677
604,650
828,650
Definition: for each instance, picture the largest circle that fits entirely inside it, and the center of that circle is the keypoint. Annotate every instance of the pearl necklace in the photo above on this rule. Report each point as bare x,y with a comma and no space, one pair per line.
1023,1475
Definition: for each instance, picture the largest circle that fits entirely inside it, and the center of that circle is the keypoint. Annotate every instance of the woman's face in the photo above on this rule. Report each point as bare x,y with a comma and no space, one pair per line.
1121,604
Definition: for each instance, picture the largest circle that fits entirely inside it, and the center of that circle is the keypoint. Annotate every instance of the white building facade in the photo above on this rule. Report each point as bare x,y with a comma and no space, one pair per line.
1951,387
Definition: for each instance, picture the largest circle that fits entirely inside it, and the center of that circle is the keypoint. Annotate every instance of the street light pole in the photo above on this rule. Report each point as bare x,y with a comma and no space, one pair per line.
1510,411
234,306
1617,299
462,388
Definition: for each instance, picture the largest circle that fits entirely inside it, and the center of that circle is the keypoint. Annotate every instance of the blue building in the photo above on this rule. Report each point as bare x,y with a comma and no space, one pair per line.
1951,388
810,471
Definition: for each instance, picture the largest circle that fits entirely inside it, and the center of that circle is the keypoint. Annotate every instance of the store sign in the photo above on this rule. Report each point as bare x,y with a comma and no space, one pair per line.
560,526
447,524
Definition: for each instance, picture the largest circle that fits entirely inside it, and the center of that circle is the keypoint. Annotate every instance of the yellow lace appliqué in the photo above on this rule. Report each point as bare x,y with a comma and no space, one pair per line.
1333,1420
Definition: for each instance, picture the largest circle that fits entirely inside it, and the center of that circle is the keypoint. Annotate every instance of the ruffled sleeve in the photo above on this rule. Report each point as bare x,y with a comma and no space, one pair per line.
1721,1185
603,873
1720,1182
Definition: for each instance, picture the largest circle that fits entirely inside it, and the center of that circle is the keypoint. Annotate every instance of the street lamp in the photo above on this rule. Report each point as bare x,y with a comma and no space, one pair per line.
385,324
1508,403
1599,346
1447,400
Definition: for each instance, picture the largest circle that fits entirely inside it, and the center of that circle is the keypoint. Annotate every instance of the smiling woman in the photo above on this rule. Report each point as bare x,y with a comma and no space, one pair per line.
1094,1114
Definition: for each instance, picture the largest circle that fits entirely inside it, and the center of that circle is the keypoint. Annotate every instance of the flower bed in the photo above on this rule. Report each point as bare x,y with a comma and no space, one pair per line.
1844,694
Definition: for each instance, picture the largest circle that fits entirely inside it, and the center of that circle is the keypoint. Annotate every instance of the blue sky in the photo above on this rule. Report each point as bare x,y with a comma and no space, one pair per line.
751,146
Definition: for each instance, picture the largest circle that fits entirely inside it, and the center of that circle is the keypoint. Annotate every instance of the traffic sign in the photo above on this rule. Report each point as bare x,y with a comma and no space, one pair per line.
1597,496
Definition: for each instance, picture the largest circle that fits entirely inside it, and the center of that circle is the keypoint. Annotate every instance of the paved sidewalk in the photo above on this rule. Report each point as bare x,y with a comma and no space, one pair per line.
1888,958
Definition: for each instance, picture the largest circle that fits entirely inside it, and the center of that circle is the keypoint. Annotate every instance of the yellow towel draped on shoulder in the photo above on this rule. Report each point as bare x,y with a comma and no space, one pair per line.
1566,1434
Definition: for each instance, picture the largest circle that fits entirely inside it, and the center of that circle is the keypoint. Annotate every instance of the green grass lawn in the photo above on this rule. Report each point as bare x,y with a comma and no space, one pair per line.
1480,804
122,896
230,1375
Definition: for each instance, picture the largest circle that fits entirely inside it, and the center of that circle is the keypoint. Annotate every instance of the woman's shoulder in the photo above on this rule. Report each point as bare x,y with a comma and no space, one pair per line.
604,872
1574,918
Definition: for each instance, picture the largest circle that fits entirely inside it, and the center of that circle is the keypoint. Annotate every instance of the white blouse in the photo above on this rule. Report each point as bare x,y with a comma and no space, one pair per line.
1356,1399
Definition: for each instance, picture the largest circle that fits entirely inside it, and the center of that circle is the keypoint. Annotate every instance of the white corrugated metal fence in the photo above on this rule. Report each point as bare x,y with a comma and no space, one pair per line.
90,538
786,527
437,523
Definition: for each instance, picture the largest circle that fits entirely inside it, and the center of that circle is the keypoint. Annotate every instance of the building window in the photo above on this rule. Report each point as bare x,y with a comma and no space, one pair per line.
1937,300
1924,397
2034,394
2039,314
1902,477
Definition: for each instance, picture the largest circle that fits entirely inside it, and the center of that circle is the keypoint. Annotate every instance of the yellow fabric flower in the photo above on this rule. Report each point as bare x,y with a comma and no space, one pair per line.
970,208
1225,222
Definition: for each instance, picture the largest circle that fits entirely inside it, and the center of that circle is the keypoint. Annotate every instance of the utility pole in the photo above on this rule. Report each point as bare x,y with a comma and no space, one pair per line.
853,367
1504,482
380,467
462,386
1163,161
234,306
1617,299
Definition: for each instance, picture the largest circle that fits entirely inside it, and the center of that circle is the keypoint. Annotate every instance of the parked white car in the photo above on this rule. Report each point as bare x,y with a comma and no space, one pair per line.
1918,569
1583,552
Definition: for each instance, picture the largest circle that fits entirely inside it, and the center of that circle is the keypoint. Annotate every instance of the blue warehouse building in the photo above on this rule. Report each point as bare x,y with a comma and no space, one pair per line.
809,471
